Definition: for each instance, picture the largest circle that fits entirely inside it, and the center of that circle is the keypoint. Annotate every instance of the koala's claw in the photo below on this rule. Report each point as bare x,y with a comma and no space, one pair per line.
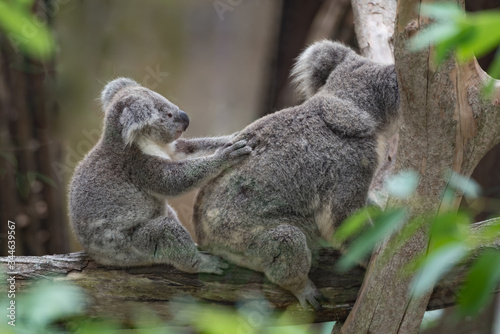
236,150
311,295
211,264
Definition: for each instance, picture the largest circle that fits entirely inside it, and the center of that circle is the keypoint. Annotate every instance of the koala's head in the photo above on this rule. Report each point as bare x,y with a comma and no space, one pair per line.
137,112
330,68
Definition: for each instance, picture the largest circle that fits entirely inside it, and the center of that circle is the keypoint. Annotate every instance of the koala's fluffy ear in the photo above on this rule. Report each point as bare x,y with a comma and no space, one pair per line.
136,117
314,65
114,87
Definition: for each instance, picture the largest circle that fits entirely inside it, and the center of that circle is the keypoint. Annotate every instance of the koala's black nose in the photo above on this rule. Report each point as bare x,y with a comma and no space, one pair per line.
184,119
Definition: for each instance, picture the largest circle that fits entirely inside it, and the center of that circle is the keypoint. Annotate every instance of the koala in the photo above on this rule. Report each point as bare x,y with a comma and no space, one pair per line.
117,196
310,169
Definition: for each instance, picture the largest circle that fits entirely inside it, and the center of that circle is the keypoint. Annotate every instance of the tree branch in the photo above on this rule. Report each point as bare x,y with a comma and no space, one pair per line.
374,26
118,293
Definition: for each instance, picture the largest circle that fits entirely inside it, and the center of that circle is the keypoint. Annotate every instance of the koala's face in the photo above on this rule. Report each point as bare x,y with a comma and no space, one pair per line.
170,123
143,113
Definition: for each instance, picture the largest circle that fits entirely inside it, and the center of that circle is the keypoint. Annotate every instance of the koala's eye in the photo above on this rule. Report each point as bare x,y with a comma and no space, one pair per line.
169,115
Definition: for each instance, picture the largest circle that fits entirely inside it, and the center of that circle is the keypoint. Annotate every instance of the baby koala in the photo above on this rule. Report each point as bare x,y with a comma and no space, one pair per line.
117,197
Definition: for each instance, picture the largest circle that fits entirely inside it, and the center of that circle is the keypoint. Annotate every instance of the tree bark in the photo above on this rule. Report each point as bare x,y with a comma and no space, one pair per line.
118,293
447,125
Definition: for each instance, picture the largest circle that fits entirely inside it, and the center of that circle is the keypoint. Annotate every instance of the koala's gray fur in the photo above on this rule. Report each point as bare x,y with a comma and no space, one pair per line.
118,192
310,169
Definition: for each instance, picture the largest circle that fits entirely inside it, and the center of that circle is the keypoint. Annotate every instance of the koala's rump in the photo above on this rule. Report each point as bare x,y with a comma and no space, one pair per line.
296,175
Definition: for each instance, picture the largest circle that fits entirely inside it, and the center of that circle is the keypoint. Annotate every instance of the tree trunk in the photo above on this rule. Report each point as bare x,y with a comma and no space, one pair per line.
31,194
447,126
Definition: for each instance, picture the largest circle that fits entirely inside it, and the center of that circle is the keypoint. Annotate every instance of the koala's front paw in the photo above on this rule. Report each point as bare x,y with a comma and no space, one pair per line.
211,264
250,138
233,153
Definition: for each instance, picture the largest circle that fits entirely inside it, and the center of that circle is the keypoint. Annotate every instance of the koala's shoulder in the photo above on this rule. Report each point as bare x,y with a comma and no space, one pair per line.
343,117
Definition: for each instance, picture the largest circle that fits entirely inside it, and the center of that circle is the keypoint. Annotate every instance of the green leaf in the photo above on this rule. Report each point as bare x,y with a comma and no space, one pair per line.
486,34
434,34
24,32
483,277
45,179
402,185
10,158
355,223
48,302
214,320
441,11
436,265
406,232
486,235
494,71
386,223
449,228
470,188
444,47
22,185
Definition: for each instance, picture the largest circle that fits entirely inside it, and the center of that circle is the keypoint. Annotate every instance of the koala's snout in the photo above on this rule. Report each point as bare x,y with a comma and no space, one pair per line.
184,119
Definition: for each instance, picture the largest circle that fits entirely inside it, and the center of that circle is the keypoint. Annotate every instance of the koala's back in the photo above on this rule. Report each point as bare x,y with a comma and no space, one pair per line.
101,195
301,173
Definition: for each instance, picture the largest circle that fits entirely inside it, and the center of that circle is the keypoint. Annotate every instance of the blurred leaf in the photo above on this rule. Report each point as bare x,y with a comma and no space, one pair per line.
441,11
486,235
94,326
436,33
494,71
467,34
282,325
403,184
23,31
436,265
31,177
48,302
386,223
486,34
467,186
22,185
449,228
215,320
406,232
24,4
9,157
483,277
45,179
355,223
444,47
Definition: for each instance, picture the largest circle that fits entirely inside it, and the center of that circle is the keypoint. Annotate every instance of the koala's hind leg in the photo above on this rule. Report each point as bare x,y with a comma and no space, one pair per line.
165,240
284,257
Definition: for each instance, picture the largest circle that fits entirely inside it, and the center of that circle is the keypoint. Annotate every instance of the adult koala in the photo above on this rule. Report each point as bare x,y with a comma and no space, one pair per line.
310,169
117,197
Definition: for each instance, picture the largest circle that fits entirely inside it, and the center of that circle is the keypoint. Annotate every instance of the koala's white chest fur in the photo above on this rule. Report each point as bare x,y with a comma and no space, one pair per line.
149,147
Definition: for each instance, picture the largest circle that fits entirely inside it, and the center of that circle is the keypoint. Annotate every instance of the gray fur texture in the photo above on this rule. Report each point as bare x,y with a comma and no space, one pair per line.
117,197
310,169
